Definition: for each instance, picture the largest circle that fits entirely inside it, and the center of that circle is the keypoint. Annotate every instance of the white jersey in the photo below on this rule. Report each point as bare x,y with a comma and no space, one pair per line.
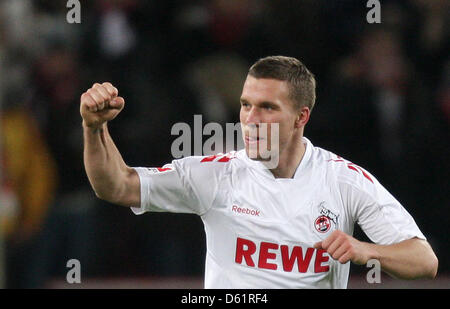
260,230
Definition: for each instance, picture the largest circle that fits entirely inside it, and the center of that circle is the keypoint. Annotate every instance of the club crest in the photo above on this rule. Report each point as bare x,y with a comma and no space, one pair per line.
323,223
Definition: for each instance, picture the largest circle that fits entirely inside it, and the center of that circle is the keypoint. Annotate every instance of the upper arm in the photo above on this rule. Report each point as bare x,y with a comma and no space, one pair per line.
188,185
382,218
379,214
165,189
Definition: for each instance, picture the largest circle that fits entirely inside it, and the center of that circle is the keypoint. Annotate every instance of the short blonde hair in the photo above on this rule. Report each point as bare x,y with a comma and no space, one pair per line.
301,82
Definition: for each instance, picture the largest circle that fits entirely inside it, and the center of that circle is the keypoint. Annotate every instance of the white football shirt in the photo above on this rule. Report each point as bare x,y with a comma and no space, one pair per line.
260,230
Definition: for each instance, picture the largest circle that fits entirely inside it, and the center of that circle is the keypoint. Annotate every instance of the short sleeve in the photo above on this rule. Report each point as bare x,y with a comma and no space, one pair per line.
183,186
382,218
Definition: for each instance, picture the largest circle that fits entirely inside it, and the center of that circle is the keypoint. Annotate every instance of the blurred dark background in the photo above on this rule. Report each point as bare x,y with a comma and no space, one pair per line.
383,102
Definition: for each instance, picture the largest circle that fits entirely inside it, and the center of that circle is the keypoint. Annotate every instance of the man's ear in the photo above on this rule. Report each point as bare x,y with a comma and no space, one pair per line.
302,117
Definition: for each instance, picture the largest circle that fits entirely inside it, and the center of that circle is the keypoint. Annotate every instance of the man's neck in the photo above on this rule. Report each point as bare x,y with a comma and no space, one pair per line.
289,161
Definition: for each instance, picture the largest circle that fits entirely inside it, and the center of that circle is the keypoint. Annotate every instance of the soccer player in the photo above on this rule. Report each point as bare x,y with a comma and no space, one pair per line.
287,226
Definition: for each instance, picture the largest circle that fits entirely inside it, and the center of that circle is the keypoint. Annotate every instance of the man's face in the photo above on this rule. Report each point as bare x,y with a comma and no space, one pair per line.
265,102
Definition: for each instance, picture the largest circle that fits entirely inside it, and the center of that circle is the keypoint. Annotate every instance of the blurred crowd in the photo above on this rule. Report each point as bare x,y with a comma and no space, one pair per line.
383,102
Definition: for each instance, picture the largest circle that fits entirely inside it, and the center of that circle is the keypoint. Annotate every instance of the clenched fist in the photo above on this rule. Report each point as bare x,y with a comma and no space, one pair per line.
344,248
100,104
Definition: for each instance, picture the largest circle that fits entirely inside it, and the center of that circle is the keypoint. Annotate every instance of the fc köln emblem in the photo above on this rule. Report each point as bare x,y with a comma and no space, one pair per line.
322,224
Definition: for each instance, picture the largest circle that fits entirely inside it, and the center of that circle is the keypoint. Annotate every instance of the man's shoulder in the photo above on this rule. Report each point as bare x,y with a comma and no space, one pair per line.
341,169
215,163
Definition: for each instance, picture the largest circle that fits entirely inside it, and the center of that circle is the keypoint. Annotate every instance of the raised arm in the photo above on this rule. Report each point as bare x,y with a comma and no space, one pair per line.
111,179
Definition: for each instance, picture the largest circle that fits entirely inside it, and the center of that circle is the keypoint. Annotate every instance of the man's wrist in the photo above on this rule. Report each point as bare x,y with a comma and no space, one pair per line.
372,251
93,128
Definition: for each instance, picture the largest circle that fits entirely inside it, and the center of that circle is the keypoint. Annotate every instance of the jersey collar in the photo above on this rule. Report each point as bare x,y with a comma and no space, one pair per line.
298,172
306,158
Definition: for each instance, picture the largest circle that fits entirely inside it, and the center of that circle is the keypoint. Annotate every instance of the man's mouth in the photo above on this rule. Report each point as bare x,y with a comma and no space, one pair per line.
250,139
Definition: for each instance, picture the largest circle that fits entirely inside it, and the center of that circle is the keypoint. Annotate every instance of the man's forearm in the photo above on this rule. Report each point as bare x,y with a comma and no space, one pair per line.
104,165
409,259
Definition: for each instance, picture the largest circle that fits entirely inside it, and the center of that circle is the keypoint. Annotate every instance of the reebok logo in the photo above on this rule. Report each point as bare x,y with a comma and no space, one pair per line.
245,211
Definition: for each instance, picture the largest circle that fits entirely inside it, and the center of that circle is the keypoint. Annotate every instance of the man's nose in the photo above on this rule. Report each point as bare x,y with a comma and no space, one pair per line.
253,117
